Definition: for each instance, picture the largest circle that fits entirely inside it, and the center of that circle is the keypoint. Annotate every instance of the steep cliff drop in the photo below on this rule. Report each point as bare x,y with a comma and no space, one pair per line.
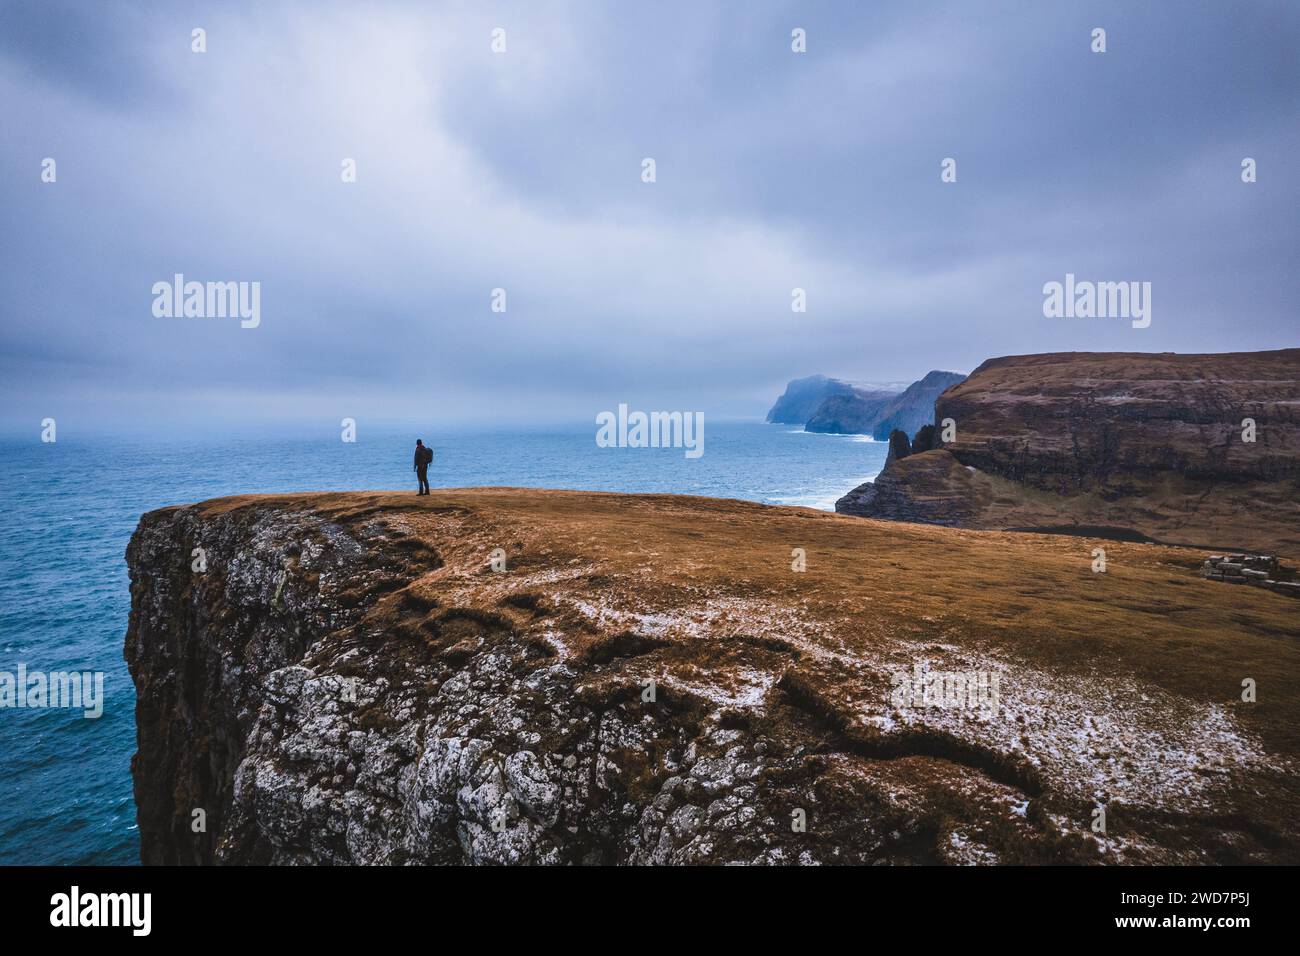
1192,449
503,675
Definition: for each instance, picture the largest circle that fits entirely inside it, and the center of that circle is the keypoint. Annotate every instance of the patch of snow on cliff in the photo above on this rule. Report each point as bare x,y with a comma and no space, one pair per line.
1121,740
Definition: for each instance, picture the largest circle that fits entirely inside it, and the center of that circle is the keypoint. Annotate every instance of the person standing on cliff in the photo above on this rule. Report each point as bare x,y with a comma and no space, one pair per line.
423,456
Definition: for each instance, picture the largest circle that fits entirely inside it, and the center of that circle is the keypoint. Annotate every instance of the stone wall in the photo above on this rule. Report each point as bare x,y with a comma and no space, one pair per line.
1261,570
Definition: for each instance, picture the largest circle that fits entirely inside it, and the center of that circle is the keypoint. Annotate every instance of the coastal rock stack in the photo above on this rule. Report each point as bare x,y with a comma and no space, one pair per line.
1261,570
899,445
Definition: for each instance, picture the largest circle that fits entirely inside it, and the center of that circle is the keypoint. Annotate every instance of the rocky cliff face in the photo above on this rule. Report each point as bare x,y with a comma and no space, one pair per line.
914,409
878,411
854,414
548,677
1066,420
1151,442
802,397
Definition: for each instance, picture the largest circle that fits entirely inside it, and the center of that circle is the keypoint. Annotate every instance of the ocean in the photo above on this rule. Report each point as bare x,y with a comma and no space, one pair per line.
67,510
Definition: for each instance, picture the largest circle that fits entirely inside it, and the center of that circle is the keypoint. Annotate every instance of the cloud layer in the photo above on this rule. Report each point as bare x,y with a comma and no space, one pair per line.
522,171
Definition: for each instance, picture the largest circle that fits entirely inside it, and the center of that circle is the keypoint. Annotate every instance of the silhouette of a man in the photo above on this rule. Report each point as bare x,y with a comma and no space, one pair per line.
423,456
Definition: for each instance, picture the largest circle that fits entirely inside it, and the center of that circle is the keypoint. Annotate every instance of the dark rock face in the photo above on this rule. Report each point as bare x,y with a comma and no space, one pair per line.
915,407
852,414
877,412
925,439
928,488
1150,442
202,647
1069,420
803,396
899,446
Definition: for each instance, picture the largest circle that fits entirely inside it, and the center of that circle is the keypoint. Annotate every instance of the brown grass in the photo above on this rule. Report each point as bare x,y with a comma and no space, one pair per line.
1148,640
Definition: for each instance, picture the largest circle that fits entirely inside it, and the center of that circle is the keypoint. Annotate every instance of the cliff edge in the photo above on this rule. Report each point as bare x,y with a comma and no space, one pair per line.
503,675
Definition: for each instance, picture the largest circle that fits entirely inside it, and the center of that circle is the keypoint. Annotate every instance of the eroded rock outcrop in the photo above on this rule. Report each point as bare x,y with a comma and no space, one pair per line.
899,446
501,675
1201,449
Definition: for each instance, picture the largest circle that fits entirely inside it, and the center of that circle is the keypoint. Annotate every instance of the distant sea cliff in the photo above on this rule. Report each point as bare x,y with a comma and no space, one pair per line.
836,407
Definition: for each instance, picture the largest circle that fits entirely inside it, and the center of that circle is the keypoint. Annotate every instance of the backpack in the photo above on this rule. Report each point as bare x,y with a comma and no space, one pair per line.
426,455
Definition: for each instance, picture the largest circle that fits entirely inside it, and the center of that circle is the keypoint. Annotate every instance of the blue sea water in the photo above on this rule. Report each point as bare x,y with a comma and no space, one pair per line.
68,508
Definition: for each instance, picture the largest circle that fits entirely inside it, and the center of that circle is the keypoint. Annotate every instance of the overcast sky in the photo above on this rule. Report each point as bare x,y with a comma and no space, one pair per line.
522,170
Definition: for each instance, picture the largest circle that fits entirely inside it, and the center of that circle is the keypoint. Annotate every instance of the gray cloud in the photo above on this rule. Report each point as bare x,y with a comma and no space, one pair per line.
522,171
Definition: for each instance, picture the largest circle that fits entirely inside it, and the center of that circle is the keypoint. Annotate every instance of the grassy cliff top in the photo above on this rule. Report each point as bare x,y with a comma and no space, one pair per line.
1122,687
